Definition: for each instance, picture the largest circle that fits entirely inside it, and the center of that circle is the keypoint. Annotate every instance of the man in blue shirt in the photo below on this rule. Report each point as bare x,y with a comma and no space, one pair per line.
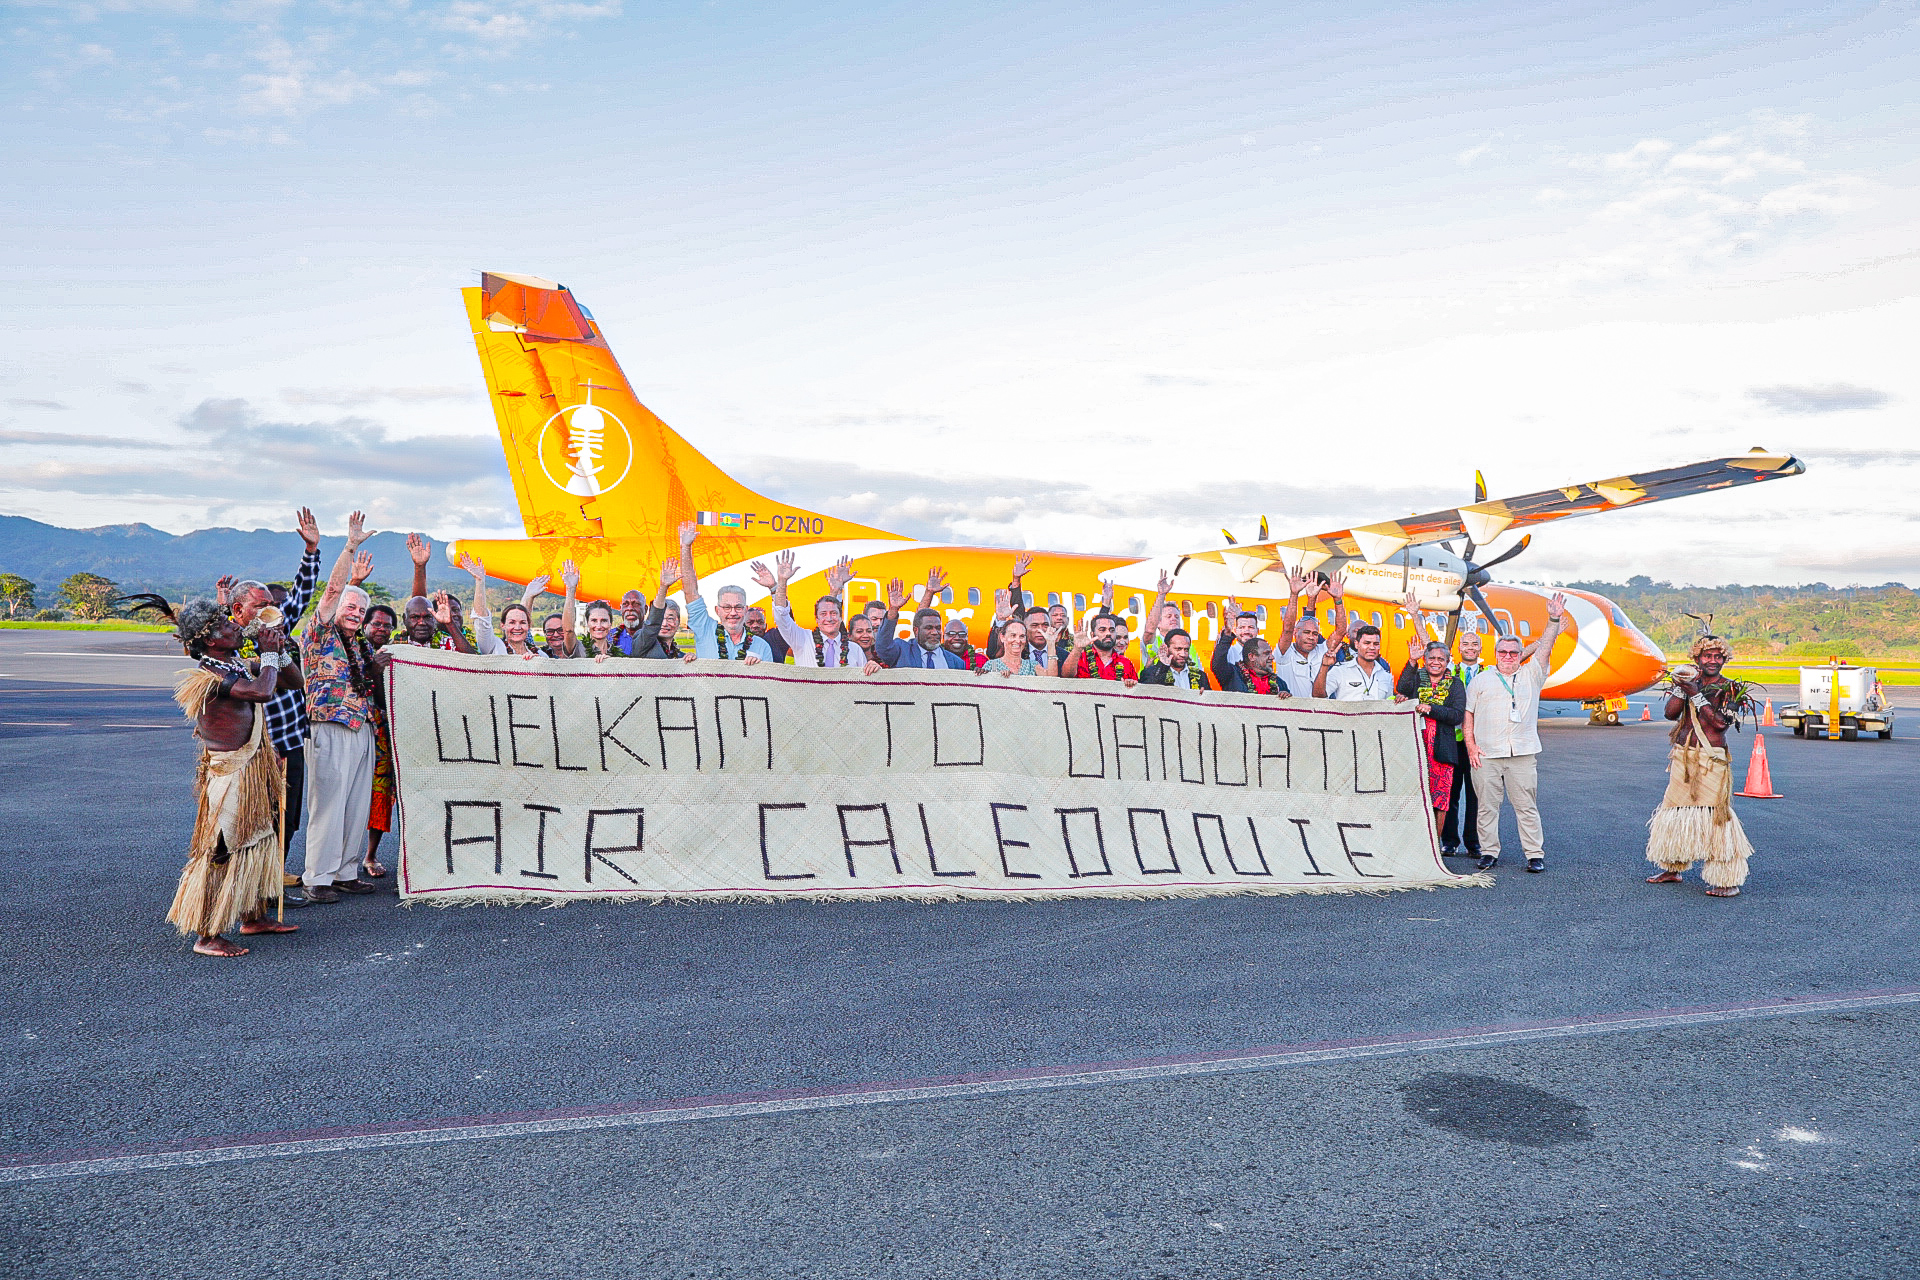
727,640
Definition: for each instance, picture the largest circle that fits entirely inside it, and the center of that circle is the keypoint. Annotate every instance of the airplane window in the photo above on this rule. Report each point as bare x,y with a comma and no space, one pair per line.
1620,617
946,597
1133,603
1210,609
973,595
1053,598
1260,612
1376,618
1186,609
1399,622
1079,601
1027,598
1526,629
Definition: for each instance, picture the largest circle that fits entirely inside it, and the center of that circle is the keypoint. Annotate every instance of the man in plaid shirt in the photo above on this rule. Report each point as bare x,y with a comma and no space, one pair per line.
287,713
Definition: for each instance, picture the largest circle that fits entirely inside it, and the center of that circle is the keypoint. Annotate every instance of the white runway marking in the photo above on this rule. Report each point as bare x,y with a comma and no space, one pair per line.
73,1164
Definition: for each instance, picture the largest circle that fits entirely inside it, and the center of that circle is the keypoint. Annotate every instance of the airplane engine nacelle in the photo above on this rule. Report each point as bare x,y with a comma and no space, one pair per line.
1437,590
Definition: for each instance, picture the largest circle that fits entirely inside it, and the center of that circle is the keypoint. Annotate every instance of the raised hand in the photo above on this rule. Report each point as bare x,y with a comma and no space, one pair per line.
1557,607
1229,611
1334,587
896,595
570,574
473,566
783,567
309,529
1296,582
669,572
1165,584
1106,595
362,569
689,530
1022,563
357,531
936,583
1412,603
538,585
1002,605
223,589
761,574
443,608
839,575
419,548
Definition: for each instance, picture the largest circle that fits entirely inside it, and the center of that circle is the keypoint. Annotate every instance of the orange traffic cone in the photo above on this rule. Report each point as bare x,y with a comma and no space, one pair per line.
1759,777
1646,711
1766,717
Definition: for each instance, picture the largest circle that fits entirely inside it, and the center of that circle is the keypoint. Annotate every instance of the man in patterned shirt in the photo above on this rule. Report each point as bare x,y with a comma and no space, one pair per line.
341,672
286,711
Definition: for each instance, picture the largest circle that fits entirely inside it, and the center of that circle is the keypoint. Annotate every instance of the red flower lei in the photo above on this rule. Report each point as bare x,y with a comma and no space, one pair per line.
1268,683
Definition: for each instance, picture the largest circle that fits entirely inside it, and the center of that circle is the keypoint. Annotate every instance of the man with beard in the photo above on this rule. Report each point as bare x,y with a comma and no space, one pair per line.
1362,678
1254,672
625,638
824,644
1173,663
727,640
924,651
234,861
956,642
757,626
342,673
1695,821
1100,660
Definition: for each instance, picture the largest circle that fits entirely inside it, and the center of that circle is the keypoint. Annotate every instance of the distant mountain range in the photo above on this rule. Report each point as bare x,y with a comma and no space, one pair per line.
142,558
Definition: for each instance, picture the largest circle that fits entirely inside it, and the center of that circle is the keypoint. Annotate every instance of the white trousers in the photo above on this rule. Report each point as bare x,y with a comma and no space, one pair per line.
339,793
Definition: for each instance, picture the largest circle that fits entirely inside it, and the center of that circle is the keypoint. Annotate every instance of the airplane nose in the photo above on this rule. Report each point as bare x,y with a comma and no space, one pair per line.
1638,663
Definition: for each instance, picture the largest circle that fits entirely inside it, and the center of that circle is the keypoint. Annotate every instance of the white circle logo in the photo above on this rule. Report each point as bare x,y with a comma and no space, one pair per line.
584,450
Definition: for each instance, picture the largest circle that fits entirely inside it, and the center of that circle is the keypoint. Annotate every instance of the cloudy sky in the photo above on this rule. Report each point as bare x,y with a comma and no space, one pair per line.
1091,277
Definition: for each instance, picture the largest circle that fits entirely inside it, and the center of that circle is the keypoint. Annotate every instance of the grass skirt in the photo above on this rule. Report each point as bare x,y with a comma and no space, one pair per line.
234,863
1696,822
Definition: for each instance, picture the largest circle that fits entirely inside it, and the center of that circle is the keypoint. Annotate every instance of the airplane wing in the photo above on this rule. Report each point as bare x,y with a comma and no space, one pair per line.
1484,521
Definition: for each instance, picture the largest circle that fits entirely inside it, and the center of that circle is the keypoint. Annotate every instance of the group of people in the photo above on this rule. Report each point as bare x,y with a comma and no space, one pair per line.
294,734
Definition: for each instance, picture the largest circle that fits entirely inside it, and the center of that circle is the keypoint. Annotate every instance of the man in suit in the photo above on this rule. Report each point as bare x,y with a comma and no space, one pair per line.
924,651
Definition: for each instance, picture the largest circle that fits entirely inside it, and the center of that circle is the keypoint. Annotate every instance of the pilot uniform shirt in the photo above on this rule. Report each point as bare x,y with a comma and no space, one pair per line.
1506,710
1297,671
1346,682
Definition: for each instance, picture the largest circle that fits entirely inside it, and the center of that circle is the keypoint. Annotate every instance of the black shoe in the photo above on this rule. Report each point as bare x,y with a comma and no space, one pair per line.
294,900
355,886
1488,862
1449,850
321,893
1536,864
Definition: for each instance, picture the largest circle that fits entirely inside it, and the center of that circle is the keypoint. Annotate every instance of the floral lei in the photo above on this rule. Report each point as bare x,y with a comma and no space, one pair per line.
1191,673
746,645
1256,679
820,648
1090,666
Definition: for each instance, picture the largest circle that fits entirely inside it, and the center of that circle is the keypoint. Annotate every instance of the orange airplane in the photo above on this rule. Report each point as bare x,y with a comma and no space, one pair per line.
603,482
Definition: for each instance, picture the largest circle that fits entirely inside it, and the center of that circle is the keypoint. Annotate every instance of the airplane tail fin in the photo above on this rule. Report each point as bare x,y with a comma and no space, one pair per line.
589,460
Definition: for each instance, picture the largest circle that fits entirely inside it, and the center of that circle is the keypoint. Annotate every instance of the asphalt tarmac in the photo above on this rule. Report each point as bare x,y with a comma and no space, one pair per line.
1778,1146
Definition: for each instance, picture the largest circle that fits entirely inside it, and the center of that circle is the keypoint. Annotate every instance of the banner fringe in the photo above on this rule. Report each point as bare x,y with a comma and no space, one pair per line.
535,898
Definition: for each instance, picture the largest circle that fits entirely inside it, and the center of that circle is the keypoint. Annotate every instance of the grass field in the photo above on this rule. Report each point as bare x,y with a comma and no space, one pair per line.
112,624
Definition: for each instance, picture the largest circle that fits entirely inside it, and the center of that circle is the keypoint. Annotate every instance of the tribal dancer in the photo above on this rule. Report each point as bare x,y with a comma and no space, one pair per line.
234,863
1695,821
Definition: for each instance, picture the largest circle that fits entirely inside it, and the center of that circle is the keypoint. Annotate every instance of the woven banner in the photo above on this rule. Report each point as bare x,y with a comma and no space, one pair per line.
657,780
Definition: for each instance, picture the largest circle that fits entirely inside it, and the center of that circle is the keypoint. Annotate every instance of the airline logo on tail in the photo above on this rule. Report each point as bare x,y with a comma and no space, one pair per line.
588,445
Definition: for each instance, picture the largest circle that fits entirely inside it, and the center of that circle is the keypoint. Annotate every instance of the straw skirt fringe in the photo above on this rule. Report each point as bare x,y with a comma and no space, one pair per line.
239,799
1680,834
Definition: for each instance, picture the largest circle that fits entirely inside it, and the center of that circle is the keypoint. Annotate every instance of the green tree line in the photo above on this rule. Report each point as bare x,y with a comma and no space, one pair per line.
1810,621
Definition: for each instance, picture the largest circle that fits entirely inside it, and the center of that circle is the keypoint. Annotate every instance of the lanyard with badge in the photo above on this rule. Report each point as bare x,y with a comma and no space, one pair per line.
1513,704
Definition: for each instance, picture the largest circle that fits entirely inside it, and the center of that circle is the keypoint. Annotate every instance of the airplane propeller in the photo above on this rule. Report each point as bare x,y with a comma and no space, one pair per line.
1475,576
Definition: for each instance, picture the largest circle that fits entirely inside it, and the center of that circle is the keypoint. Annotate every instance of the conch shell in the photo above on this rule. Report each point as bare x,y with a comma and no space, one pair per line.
268,617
